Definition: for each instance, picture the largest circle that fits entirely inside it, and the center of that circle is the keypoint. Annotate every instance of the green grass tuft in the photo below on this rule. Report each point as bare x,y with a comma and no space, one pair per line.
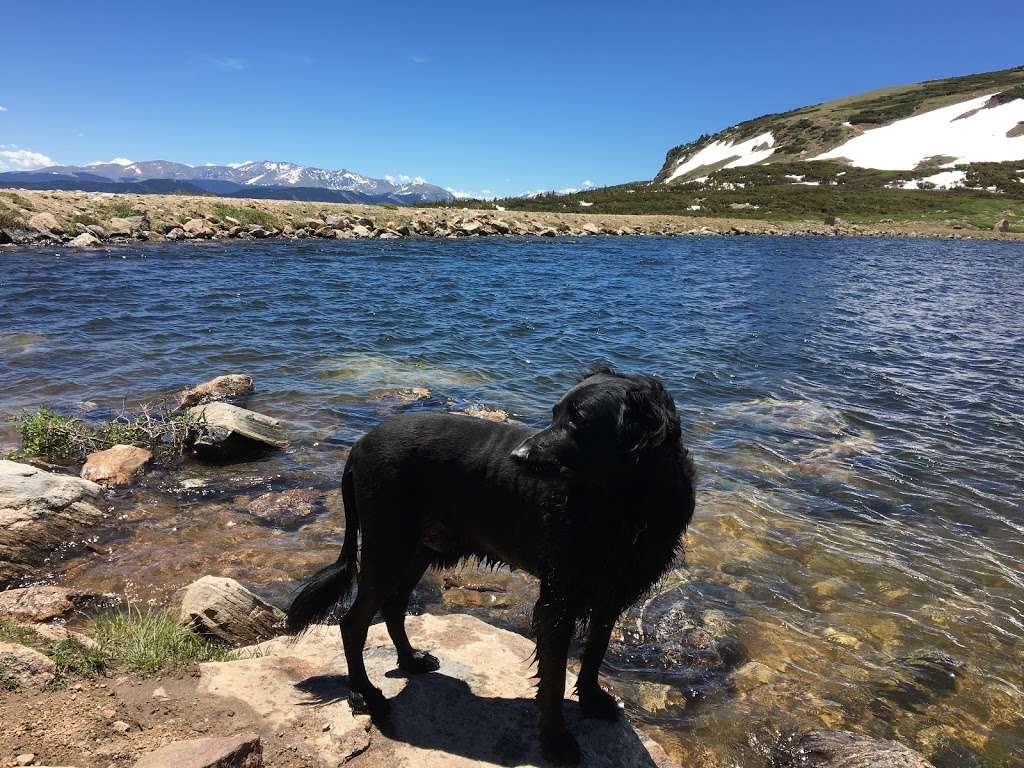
120,209
152,641
18,200
9,217
246,216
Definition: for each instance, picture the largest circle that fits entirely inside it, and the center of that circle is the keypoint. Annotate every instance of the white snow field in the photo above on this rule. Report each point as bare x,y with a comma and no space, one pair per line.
941,180
718,151
977,138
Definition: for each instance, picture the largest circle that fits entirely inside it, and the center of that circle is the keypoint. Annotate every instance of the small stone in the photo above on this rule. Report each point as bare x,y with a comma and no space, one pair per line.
41,603
120,726
22,667
25,759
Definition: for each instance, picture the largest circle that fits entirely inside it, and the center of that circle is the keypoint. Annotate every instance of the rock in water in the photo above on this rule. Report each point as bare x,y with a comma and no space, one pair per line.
22,667
477,710
41,603
232,431
231,386
242,751
291,507
842,749
85,240
224,609
115,466
197,228
39,511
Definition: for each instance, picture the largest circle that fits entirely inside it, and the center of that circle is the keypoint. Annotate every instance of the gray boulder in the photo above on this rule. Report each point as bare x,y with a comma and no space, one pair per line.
231,431
842,749
198,228
85,240
45,222
41,603
477,710
128,226
22,667
241,751
230,387
40,511
222,608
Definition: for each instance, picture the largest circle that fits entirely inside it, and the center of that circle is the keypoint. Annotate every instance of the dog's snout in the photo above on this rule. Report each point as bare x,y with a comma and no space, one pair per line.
521,452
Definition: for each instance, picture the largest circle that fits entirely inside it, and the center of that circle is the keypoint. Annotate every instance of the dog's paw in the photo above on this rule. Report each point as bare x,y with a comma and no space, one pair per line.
560,748
600,705
370,703
419,662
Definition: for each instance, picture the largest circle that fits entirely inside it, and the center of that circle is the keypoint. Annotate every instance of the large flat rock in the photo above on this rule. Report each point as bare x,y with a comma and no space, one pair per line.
40,511
476,710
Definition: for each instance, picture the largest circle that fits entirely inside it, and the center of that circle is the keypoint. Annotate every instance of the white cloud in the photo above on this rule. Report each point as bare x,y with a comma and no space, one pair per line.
401,179
23,160
587,183
419,59
3,108
115,161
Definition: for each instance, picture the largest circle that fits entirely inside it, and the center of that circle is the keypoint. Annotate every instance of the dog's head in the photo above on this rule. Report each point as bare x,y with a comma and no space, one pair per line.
606,423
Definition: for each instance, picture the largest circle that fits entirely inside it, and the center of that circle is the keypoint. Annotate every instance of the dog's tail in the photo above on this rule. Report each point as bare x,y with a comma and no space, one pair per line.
329,586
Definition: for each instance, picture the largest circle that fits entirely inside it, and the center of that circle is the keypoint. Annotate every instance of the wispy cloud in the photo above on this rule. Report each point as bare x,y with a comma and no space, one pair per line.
22,159
226,63
417,59
3,108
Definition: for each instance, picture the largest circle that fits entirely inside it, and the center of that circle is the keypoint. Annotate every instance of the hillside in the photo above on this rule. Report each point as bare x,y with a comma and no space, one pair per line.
934,124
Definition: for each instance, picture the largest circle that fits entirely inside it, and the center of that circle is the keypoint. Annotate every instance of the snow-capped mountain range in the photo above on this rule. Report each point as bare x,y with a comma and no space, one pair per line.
224,179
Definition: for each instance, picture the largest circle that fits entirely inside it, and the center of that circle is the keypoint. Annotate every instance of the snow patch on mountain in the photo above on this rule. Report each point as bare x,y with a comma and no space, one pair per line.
941,180
747,152
969,132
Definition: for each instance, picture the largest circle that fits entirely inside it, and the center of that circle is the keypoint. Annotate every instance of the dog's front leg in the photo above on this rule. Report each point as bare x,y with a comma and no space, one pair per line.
594,701
554,623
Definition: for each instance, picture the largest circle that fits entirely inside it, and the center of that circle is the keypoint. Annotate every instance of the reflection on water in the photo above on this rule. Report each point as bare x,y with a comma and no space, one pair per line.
855,409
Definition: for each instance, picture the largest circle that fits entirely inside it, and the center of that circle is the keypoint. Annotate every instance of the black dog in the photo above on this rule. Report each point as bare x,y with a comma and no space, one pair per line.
594,506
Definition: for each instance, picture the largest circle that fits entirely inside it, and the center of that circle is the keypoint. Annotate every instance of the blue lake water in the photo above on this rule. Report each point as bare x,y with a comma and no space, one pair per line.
855,408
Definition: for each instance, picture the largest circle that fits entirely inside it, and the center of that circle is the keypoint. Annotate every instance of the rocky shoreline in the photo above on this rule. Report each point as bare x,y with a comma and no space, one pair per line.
268,700
93,219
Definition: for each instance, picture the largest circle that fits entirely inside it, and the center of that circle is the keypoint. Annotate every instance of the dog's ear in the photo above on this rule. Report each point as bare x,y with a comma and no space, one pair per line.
595,370
649,418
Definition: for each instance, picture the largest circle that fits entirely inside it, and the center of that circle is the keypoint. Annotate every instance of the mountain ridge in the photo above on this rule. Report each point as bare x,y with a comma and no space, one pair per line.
249,178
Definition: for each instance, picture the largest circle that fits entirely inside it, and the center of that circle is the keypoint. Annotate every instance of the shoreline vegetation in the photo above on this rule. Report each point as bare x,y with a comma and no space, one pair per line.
92,219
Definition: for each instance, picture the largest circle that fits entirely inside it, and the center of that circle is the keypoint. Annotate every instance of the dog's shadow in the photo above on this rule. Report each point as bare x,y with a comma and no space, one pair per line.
439,712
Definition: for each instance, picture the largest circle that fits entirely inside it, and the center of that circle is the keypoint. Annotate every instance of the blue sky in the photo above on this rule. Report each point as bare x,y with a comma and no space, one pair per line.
501,97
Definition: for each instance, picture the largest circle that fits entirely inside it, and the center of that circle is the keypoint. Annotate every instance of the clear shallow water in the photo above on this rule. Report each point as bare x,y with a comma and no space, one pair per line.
856,410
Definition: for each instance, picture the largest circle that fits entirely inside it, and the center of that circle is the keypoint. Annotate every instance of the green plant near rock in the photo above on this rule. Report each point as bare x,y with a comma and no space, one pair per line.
152,641
9,217
18,200
118,209
51,436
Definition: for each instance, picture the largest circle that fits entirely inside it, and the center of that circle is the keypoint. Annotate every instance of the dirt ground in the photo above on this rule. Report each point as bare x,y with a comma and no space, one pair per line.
109,722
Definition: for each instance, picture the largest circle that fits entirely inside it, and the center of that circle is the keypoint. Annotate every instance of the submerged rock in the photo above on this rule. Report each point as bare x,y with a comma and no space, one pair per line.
842,749
40,511
223,609
117,465
477,710
289,507
241,751
41,603
232,431
229,387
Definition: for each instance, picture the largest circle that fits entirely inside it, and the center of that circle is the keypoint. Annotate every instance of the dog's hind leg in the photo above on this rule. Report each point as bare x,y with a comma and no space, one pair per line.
364,696
595,701
410,660
554,622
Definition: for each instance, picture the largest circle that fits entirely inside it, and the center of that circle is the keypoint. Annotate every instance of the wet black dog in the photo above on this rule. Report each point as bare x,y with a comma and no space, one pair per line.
594,506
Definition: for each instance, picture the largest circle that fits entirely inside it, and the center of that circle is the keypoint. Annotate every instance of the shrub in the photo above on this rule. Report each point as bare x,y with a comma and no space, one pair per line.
48,435
246,216
119,208
9,217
